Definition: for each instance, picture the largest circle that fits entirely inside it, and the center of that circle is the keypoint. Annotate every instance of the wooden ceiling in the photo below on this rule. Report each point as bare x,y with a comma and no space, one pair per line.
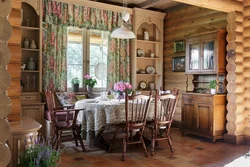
158,5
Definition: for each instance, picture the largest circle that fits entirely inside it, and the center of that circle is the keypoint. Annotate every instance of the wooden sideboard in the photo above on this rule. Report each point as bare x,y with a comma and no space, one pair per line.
204,114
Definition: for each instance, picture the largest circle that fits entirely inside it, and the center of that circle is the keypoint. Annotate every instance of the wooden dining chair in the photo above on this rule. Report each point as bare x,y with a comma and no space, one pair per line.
67,129
136,109
165,106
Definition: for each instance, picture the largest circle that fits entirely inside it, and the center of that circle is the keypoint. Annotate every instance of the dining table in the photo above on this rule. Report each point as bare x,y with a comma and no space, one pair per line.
97,114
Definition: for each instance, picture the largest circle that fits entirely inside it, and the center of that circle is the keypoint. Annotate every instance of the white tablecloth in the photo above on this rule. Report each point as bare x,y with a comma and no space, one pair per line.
97,115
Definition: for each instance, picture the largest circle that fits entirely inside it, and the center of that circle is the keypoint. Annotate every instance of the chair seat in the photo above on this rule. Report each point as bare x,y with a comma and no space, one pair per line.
63,124
61,116
151,126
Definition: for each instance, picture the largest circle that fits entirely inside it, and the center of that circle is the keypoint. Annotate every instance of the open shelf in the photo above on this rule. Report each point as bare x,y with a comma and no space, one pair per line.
150,58
149,75
148,41
29,28
33,50
148,28
31,71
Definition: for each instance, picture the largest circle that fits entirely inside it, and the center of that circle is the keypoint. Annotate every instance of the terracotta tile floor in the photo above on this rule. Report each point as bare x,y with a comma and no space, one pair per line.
190,151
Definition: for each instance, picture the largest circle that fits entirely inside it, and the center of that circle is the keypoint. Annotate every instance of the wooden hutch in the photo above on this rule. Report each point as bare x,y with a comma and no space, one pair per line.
31,75
204,114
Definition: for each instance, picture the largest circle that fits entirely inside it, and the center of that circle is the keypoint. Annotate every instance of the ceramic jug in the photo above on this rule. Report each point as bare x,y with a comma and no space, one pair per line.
146,35
26,43
31,64
33,45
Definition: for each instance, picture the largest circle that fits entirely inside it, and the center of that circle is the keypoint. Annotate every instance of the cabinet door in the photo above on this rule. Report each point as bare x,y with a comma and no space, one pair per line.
188,116
208,56
204,118
193,57
34,112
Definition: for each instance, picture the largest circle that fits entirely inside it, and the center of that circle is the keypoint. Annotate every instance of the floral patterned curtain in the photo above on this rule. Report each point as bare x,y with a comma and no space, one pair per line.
57,16
54,59
118,62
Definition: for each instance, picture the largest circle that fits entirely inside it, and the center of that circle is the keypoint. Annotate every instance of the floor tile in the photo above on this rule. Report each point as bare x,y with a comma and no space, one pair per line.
189,151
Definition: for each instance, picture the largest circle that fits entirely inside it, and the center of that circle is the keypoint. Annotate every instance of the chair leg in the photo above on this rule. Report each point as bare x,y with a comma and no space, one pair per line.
75,137
144,147
124,148
152,142
170,143
58,141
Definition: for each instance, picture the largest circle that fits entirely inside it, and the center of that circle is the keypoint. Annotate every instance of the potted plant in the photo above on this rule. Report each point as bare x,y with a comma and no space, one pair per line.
89,82
39,153
75,84
212,85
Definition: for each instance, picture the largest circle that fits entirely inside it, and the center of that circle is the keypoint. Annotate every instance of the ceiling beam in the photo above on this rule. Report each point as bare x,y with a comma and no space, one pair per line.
219,5
151,3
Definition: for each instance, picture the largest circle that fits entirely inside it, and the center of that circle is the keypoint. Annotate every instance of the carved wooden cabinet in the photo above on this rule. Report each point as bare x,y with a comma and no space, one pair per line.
21,131
34,111
204,114
147,49
206,52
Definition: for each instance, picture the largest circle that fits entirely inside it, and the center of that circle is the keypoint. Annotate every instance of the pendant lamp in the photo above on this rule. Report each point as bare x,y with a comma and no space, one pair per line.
123,32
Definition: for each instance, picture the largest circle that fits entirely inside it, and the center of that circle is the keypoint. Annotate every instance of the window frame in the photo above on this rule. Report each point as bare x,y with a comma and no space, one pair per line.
85,59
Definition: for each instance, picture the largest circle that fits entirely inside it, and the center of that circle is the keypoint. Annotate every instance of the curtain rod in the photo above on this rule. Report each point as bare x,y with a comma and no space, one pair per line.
98,5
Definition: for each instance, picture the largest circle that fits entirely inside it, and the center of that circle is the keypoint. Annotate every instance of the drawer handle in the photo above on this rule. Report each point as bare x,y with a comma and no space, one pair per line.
28,97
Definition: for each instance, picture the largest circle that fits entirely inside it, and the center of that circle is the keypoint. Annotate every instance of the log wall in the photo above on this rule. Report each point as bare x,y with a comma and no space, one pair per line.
235,78
177,25
246,73
14,67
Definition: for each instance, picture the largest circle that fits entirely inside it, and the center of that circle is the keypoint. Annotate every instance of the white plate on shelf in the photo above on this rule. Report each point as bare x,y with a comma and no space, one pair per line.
5,130
5,54
5,155
5,105
150,70
5,30
140,53
5,79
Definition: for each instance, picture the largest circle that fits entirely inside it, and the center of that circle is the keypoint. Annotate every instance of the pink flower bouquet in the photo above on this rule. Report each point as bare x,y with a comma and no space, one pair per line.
121,87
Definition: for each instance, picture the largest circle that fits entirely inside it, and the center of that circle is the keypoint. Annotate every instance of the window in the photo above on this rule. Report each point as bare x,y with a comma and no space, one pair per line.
87,54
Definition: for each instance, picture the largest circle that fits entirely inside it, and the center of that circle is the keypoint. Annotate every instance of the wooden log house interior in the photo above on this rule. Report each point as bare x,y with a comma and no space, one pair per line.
182,33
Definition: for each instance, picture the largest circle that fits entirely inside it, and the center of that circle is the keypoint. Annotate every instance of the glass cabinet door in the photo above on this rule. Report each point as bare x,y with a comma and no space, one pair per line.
194,50
208,55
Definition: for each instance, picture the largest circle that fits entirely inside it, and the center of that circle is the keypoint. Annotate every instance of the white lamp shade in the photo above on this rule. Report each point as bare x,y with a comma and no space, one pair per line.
123,33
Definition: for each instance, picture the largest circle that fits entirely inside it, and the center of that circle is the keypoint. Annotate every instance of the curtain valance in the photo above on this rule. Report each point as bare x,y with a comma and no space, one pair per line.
80,16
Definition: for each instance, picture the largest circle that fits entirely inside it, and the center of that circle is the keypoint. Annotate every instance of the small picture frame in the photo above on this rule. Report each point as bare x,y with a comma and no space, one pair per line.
178,64
179,46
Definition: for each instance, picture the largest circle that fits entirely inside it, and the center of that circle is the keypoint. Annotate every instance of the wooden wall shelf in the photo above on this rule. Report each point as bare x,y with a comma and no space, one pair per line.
33,50
152,23
150,58
29,28
147,41
30,71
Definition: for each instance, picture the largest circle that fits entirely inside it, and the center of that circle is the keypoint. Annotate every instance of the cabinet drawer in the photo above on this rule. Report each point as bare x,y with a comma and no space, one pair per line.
198,98
204,99
30,98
